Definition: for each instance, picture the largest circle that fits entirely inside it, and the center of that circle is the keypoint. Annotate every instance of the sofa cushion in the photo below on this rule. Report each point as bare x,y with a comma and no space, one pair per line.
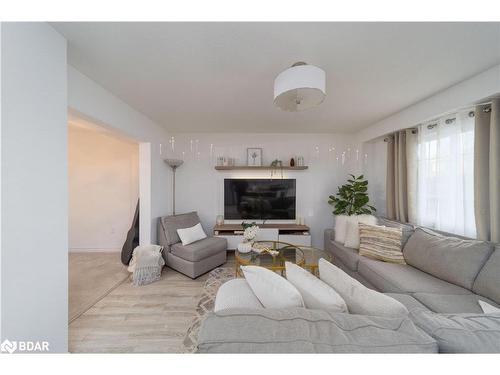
488,281
452,259
299,330
461,333
402,278
347,256
408,301
235,294
354,274
359,298
452,303
170,225
200,249
406,229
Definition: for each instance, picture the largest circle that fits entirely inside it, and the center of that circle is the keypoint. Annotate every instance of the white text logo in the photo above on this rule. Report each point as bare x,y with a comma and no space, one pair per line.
24,346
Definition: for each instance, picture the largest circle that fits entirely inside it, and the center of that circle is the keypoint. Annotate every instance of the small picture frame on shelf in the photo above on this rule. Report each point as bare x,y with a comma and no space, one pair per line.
254,157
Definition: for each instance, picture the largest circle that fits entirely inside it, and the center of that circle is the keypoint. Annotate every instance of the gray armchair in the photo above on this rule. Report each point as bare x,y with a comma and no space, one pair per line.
194,259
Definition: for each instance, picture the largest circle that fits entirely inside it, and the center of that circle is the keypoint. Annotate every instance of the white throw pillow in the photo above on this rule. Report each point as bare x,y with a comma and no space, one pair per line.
236,294
352,230
272,290
340,228
487,308
192,234
315,293
359,299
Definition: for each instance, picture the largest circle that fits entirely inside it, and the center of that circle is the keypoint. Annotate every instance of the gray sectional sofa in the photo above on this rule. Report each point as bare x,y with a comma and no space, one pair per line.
441,284
444,273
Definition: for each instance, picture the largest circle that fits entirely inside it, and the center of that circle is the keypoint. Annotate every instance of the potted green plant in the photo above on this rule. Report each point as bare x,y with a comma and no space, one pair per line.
352,198
351,205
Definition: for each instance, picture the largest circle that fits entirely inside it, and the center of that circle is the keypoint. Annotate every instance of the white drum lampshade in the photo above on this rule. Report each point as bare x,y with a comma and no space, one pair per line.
300,87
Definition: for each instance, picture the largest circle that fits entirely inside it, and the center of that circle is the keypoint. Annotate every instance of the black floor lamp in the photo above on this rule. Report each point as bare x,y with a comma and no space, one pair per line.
174,164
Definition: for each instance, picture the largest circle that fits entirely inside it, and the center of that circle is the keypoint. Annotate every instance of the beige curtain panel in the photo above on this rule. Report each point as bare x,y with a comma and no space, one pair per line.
412,174
396,182
487,171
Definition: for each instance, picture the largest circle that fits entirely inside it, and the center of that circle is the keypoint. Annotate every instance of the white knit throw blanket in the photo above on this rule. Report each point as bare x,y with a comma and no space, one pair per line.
146,264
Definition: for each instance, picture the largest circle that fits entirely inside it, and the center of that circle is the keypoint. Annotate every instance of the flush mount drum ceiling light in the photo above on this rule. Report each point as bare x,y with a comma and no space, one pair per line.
300,87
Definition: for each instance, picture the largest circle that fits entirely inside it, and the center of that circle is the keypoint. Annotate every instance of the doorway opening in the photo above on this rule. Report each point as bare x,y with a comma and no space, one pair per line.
103,173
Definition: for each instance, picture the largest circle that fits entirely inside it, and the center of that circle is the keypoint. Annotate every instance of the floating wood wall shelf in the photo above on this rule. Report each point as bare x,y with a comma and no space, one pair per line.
267,167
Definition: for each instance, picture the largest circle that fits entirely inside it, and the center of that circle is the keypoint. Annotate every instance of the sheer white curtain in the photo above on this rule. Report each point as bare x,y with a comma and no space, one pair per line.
443,175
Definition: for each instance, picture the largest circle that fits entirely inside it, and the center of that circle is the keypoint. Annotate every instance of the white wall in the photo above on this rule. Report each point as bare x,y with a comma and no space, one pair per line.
200,186
93,102
375,170
463,94
34,285
103,189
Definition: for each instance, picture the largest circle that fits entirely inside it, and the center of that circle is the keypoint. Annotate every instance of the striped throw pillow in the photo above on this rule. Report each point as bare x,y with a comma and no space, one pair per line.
382,243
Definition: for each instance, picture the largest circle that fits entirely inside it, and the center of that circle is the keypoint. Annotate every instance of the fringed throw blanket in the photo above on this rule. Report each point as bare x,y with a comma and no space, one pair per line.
146,264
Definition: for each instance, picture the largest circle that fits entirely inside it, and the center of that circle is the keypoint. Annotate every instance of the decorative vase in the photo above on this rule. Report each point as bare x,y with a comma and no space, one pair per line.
292,162
245,247
219,220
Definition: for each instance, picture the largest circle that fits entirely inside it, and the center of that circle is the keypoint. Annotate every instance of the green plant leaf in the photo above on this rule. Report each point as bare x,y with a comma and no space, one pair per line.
352,197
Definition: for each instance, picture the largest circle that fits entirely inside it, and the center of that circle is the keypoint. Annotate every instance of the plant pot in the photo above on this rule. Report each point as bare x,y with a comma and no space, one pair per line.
245,247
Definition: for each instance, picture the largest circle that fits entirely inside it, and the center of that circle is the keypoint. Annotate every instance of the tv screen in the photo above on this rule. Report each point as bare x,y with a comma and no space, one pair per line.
259,199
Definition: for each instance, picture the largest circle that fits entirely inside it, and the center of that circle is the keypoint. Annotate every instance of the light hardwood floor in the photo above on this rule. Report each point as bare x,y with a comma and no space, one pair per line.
148,319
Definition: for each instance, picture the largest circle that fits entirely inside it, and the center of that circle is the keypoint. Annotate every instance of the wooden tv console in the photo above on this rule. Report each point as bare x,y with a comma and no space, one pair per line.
290,233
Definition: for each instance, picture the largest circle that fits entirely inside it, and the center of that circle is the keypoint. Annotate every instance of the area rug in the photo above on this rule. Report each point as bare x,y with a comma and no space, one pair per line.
206,304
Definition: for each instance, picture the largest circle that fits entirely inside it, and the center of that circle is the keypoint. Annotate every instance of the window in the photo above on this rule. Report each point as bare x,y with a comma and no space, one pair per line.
444,175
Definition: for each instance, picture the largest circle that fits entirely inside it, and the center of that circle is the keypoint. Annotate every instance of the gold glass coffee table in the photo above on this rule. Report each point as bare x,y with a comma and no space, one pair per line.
276,253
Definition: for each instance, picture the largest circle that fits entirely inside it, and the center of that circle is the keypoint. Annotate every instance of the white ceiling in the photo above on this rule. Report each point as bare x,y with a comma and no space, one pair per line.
197,77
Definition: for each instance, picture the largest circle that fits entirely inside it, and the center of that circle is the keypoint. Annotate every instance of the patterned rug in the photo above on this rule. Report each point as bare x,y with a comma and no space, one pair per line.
216,278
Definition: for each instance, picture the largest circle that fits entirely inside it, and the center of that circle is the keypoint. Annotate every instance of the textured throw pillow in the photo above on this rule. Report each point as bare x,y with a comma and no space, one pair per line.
352,232
487,308
340,228
315,293
272,290
381,243
407,229
192,234
359,298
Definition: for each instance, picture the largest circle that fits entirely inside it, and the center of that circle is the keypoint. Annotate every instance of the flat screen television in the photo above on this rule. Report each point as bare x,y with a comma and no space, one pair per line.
259,199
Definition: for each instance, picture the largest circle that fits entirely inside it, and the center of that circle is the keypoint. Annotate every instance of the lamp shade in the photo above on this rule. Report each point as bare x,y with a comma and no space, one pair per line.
300,87
174,163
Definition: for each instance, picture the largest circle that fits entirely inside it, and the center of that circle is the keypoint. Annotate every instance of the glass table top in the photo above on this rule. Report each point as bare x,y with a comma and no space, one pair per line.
274,254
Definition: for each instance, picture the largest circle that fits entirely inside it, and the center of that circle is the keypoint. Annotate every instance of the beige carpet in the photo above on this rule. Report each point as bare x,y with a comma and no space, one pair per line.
92,276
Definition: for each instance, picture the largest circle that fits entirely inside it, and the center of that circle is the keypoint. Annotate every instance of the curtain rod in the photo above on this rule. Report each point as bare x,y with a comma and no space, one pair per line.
471,111
450,120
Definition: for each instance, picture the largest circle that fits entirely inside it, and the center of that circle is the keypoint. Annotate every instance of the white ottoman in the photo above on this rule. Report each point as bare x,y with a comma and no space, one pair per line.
235,294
